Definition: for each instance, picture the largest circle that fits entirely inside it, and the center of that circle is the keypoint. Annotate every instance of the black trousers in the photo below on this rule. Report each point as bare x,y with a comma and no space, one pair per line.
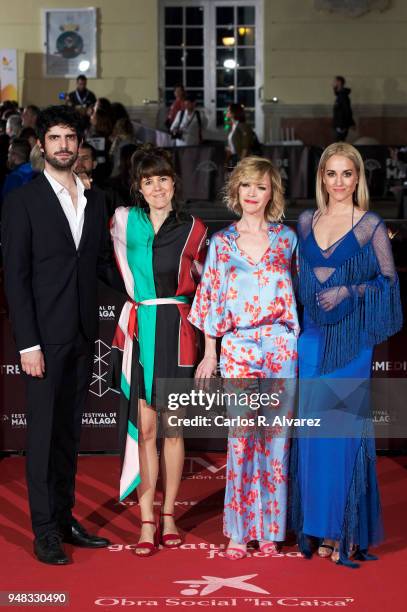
54,415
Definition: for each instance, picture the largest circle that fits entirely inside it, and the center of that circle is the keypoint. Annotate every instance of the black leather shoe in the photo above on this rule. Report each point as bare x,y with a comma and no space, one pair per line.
48,549
77,535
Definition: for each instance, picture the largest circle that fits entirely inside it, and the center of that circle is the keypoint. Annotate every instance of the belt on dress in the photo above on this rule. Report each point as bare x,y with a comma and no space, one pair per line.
146,338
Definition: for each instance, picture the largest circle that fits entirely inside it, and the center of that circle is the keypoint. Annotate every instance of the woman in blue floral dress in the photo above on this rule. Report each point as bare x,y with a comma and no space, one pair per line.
246,297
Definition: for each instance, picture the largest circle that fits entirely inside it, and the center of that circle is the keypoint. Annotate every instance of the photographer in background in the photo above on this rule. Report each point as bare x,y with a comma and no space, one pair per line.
186,129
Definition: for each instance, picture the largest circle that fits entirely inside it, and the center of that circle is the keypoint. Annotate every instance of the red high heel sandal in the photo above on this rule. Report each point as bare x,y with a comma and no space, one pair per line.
169,536
268,547
234,554
151,546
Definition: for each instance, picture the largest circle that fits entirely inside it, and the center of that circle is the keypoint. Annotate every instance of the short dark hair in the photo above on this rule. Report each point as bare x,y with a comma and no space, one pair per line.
237,112
21,147
341,79
190,97
125,156
86,145
81,77
148,161
105,105
59,115
103,122
118,112
28,132
33,109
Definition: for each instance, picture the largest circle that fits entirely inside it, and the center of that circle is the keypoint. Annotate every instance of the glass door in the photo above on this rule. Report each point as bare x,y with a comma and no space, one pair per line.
215,48
235,61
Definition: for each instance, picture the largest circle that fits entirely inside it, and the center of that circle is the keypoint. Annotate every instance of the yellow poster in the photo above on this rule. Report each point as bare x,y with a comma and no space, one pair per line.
8,74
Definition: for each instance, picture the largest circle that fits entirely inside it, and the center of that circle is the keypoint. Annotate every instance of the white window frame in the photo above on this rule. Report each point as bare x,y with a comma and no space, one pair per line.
210,55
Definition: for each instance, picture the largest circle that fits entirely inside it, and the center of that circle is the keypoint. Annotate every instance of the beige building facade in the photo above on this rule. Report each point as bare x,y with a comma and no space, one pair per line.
302,48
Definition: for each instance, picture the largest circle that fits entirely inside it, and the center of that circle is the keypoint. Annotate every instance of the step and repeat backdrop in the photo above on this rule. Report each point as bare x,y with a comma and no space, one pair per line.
100,421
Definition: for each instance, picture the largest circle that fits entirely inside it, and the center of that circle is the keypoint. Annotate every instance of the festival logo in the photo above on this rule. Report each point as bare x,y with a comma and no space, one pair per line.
99,419
107,313
99,385
10,369
389,366
283,166
381,416
198,468
18,420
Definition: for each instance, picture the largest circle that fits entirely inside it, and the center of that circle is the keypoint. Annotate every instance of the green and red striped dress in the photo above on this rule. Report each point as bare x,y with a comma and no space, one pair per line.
154,338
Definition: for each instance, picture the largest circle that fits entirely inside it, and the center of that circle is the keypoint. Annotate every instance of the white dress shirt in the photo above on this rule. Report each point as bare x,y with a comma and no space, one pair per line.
189,126
75,216
230,138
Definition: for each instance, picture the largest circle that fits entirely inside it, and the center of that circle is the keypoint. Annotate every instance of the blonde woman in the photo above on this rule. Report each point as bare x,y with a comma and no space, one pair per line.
37,159
246,297
350,291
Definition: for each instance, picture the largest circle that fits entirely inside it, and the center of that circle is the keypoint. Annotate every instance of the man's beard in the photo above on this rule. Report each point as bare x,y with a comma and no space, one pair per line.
82,170
61,164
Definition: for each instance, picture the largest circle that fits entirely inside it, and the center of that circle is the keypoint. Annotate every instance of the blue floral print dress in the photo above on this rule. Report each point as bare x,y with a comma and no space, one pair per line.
251,305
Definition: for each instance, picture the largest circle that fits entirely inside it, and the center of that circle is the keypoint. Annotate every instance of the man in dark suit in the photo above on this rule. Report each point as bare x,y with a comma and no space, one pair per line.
55,240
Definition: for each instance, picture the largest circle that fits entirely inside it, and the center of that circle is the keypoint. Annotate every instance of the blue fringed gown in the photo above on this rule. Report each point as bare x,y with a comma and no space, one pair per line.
334,484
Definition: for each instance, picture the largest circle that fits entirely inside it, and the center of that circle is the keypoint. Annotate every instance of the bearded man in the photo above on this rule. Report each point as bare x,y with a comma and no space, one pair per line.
55,241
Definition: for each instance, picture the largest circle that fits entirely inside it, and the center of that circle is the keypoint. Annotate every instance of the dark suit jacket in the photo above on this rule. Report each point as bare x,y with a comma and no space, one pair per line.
51,286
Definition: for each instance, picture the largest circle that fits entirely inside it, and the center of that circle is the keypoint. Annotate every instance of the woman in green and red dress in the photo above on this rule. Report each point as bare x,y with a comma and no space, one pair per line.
159,250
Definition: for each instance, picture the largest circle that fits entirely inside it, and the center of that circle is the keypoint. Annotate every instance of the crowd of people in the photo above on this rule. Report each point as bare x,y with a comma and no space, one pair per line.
109,140
104,157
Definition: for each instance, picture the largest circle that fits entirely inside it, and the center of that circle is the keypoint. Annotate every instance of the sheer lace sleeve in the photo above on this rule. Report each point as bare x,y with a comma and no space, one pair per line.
304,225
387,271
379,296
355,297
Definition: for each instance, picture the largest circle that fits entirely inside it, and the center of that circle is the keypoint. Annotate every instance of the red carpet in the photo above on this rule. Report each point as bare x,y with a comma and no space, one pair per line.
195,576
